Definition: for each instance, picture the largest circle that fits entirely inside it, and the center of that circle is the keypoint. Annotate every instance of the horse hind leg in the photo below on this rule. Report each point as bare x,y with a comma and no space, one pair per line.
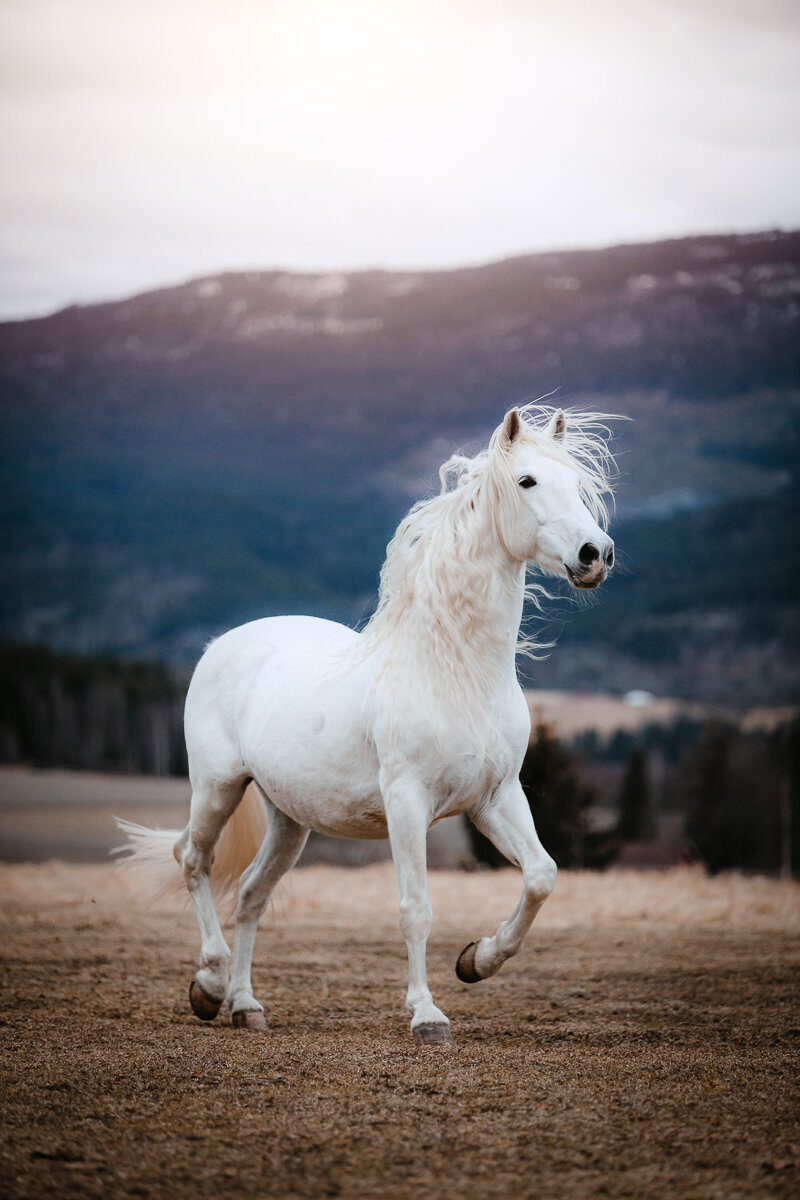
280,850
212,805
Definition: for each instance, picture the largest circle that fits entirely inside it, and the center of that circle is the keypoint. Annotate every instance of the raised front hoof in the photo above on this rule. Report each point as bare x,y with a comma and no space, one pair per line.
465,966
433,1033
202,1005
249,1018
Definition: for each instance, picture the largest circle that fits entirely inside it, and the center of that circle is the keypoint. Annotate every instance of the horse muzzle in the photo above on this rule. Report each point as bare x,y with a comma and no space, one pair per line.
585,581
592,566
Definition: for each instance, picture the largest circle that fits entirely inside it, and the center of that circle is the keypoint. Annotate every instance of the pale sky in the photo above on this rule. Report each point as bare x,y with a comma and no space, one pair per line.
149,141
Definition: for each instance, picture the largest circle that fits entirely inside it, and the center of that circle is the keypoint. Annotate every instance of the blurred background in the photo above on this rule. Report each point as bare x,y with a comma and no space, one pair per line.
266,265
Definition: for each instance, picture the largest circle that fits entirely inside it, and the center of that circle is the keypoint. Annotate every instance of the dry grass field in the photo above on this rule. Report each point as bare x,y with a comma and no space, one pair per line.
644,1044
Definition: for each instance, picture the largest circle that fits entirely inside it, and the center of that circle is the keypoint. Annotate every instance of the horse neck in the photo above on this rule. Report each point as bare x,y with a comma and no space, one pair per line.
499,613
497,621
468,653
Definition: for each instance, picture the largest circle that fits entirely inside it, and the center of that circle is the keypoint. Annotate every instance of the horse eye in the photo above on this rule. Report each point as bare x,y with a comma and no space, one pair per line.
527,481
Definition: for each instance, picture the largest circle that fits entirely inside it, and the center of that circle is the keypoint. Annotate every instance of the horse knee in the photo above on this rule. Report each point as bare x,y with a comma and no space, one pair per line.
539,879
416,918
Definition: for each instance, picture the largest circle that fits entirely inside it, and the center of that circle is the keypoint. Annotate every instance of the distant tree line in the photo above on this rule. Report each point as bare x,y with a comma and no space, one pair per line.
739,795
93,713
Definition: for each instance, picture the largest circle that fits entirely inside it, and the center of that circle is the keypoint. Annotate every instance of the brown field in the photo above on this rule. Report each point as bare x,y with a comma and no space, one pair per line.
643,1044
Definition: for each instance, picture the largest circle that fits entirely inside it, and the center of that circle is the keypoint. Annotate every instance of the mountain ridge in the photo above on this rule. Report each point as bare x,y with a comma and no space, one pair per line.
186,458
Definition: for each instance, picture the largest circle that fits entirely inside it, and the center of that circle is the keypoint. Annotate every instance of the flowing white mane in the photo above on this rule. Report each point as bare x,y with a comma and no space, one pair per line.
440,572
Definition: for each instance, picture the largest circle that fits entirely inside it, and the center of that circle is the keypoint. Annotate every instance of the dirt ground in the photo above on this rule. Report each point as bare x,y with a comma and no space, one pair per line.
643,1044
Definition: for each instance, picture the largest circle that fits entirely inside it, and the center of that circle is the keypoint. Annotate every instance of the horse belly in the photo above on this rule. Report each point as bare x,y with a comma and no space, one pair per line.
328,791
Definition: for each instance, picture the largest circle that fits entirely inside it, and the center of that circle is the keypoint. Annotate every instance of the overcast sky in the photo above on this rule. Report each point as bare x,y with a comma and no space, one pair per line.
150,141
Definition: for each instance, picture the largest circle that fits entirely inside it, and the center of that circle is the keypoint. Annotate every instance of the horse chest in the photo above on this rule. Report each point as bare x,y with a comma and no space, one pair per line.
459,781
459,764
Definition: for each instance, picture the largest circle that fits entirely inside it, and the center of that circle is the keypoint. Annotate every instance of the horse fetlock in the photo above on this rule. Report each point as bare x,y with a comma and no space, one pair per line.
417,996
212,976
216,959
424,1011
241,999
486,959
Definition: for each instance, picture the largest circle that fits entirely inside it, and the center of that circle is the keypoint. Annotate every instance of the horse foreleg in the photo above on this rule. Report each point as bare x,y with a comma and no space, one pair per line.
507,821
280,850
406,815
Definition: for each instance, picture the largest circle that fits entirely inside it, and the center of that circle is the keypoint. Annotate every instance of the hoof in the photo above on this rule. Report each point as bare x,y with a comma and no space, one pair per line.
202,1005
249,1018
465,966
433,1033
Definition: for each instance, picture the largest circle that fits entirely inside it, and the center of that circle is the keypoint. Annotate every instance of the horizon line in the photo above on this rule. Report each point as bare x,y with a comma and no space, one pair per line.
760,233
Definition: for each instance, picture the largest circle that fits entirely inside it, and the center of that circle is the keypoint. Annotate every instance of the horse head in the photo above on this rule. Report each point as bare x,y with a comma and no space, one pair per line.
553,514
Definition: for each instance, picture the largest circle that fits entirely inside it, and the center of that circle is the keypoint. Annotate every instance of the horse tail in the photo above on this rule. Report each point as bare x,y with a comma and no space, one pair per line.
239,841
154,854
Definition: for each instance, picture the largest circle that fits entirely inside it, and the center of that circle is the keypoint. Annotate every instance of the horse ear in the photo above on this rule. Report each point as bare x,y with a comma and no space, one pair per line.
558,425
511,427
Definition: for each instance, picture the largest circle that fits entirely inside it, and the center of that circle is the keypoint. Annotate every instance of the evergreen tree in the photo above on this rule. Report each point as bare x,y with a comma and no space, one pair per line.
733,800
784,752
635,815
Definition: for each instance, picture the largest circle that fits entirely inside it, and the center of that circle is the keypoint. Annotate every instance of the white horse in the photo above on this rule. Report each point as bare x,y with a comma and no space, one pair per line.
385,732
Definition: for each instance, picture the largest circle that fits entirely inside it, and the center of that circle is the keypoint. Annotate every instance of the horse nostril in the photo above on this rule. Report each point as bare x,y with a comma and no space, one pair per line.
610,558
587,554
